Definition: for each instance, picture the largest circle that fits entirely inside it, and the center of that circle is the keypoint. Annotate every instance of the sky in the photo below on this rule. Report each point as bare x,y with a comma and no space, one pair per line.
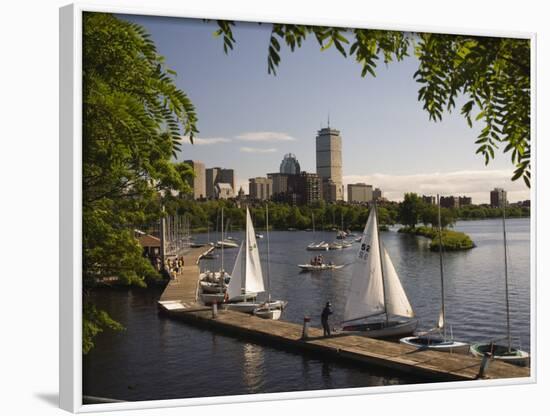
248,119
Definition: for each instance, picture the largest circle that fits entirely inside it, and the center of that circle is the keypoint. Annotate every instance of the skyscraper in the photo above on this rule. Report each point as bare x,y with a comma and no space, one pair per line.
290,165
198,182
328,146
498,196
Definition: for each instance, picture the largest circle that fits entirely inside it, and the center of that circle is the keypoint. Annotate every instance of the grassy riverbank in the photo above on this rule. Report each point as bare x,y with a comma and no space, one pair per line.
451,240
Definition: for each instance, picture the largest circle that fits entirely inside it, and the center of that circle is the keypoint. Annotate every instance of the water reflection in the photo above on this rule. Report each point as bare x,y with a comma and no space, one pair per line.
253,367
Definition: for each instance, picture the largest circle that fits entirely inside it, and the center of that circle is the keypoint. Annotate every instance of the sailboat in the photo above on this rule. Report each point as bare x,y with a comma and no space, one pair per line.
214,294
322,246
228,241
247,278
505,352
341,234
376,291
266,311
438,342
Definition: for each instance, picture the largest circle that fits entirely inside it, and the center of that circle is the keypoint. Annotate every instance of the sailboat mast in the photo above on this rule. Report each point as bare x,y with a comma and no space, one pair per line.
245,262
381,263
506,271
222,238
441,267
267,236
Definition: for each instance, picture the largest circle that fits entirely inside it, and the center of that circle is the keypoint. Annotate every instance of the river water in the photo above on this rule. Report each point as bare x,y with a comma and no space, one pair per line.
158,358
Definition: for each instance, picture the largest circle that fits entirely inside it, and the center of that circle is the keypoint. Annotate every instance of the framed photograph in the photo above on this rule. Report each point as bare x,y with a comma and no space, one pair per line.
263,209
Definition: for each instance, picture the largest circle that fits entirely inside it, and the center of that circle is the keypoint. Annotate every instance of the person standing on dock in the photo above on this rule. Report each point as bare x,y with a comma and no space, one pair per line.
327,310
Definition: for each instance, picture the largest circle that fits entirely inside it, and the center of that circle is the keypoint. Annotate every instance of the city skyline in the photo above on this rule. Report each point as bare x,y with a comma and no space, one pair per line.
281,114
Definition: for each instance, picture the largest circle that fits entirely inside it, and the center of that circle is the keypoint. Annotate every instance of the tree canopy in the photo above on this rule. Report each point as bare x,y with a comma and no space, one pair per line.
492,74
132,113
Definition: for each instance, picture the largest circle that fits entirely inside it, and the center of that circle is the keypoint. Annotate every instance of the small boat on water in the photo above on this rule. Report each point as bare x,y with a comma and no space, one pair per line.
376,291
319,267
502,353
267,311
436,343
209,281
441,341
259,235
335,246
227,243
322,246
247,278
506,353
340,235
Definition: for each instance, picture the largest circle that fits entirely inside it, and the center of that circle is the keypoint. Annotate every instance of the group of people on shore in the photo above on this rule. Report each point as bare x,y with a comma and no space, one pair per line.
172,266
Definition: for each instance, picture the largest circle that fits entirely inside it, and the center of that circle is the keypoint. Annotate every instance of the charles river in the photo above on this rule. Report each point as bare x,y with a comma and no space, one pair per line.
155,352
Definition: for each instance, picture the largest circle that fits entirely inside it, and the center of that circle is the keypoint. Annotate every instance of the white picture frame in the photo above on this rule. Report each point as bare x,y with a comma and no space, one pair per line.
70,357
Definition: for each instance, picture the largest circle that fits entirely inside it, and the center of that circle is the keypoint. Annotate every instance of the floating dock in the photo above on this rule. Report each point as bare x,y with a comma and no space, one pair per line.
179,301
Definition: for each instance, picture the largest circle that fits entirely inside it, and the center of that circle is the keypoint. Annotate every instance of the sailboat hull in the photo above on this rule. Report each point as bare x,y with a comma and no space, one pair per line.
318,247
436,344
267,313
383,330
249,307
210,298
316,268
500,352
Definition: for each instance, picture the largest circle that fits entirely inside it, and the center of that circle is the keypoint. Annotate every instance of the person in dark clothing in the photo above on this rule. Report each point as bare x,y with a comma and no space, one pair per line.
327,310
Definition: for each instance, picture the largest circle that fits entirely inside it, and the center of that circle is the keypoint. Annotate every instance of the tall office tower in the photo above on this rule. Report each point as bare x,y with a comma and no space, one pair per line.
198,183
377,194
464,200
498,196
359,192
260,188
328,146
290,165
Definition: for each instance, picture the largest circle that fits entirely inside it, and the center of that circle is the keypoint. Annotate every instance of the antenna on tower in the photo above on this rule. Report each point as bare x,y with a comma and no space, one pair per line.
328,120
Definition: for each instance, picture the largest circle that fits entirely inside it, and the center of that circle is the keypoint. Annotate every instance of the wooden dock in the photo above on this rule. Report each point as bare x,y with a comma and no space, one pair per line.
181,293
179,301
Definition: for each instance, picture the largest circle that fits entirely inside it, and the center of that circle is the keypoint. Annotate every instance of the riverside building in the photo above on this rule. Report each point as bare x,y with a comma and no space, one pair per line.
198,182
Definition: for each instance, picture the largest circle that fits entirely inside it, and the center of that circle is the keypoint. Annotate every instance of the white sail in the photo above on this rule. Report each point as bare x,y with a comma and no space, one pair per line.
366,293
254,281
236,283
397,302
440,321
